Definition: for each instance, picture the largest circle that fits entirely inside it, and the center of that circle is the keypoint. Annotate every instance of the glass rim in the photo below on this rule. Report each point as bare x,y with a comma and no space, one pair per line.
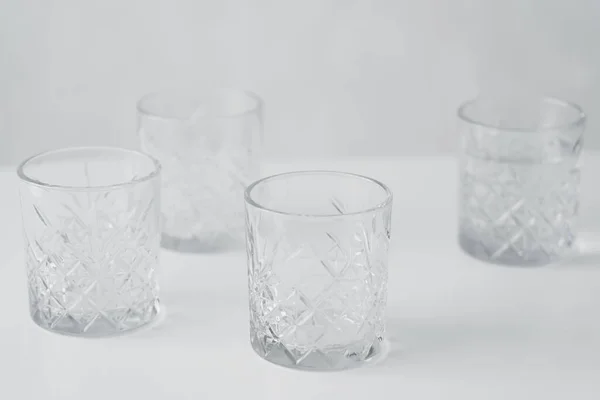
156,170
577,121
381,205
142,109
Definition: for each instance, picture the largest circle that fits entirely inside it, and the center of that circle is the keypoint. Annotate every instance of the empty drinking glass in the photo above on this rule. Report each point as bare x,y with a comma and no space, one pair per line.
317,245
92,239
519,179
208,145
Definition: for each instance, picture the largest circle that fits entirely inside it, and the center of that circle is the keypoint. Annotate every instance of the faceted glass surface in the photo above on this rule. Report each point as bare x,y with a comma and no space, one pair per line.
519,182
208,146
317,268
92,240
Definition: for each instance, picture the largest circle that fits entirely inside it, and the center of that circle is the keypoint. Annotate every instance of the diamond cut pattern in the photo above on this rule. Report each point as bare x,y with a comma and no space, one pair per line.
518,201
206,168
317,297
91,257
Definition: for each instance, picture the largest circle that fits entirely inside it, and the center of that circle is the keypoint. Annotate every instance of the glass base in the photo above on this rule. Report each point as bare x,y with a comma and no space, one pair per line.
496,253
195,245
329,359
105,324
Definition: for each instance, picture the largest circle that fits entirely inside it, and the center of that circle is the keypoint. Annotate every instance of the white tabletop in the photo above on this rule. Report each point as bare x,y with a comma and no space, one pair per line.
457,328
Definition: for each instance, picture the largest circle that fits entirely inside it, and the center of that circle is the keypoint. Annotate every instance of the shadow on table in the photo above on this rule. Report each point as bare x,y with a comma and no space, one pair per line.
202,295
581,262
192,315
586,253
421,341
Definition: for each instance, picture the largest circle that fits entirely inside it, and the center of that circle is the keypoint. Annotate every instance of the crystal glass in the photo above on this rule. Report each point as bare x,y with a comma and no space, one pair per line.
92,239
317,245
519,179
208,145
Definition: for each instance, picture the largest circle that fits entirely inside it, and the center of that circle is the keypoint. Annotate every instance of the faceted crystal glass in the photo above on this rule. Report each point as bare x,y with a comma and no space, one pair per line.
317,245
92,239
519,179
208,145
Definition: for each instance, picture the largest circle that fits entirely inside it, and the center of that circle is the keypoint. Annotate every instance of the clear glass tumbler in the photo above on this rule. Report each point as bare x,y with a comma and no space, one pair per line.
208,145
519,179
317,245
92,238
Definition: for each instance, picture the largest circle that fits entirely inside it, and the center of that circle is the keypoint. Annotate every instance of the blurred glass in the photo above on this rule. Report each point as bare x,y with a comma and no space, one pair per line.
208,145
519,179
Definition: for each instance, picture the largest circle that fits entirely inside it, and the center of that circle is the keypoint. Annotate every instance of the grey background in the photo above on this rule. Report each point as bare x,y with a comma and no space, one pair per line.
339,77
